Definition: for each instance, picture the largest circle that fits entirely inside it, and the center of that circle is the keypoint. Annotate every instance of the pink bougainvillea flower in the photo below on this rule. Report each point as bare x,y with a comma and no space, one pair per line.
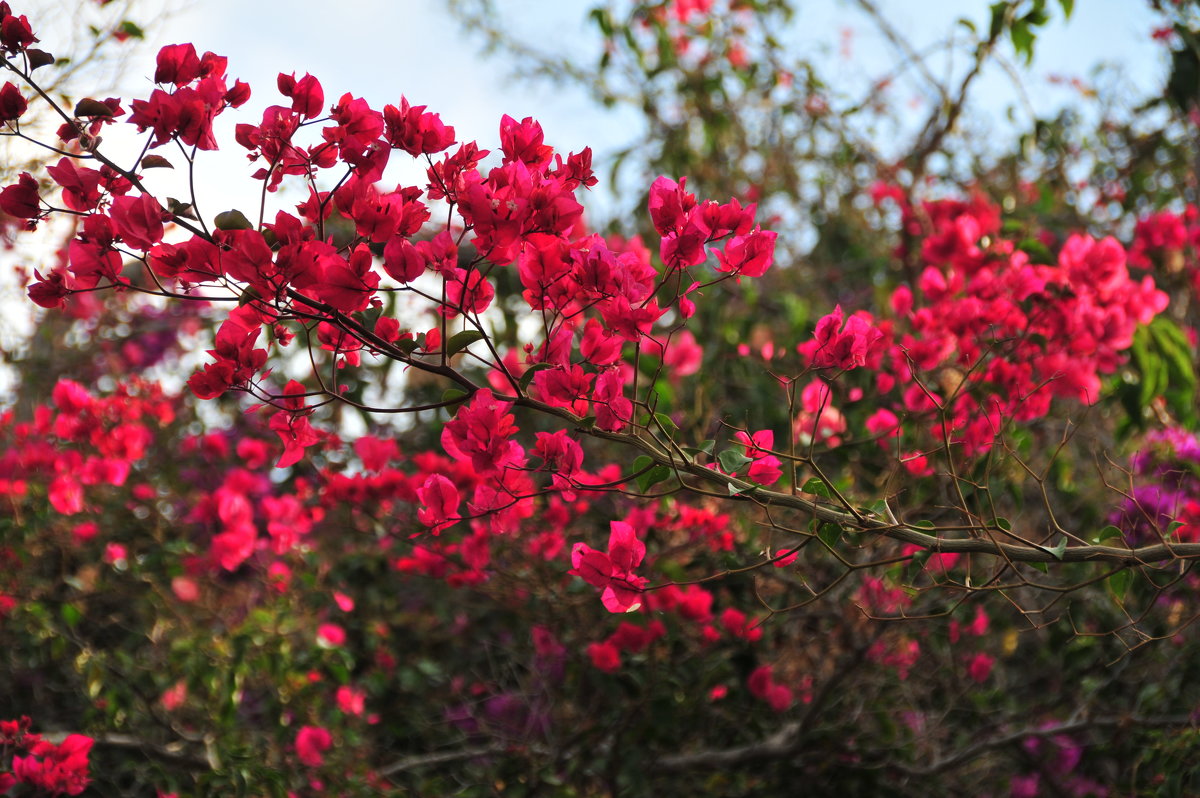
613,571
21,198
330,635
481,432
311,744
439,503
604,656
835,346
351,700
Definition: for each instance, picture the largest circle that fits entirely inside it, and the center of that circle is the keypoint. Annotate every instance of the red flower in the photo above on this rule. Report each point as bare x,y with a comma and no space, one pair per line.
308,98
12,103
21,198
604,656
979,667
178,64
481,432
331,635
838,347
414,131
613,571
749,255
311,743
439,500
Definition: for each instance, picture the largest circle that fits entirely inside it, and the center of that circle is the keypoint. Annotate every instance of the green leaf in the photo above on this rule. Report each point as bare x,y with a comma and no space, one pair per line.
829,534
1068,7
1036,250
130,28
1108,532
1058,549
666,423
232,220
407,345
527,377
460,341
706,447
643,461
917,563
249,294
1022,36
369,317
1118,583
816,487
603,21
71,615
731,461
181,209
453,395
1004,524
997,22
652,477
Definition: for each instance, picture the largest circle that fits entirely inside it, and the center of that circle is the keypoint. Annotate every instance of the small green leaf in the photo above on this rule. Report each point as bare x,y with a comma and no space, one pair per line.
1118,583
249,294
129,28
923,524
232,220
666,423
1022,36
732,460
603,21
460,341
643,461
997,23
527,377
71,614
1058,549
829,534
1041,566
652,477
369,317
407,345
1109,531
816,487
181,209
706,447
587,422
453,395
1004,524
917,563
